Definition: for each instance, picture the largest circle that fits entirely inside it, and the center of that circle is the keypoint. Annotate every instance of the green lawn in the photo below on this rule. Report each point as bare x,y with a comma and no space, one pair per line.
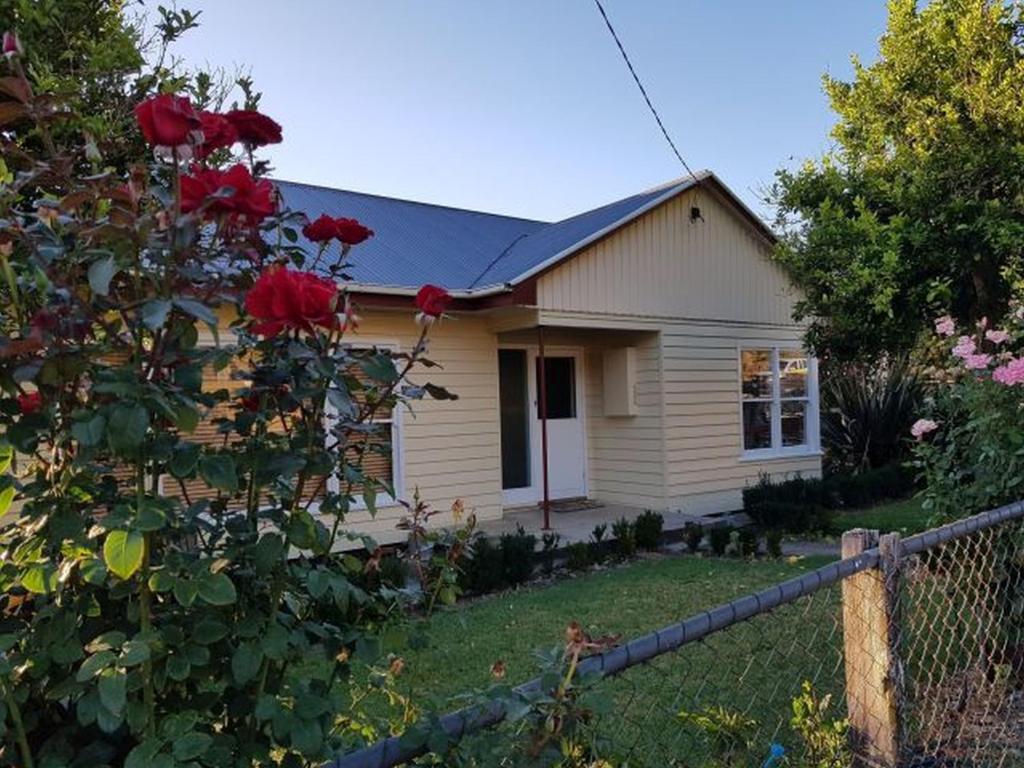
756,667
904,516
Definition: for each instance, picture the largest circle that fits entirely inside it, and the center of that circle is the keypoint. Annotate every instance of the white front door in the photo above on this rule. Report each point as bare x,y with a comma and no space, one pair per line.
522,430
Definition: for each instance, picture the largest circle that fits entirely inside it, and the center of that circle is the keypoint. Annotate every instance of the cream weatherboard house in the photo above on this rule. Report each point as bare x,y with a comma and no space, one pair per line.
672,368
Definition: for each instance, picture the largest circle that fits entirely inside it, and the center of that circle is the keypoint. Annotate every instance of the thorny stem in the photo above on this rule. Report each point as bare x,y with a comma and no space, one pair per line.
145,611
19,726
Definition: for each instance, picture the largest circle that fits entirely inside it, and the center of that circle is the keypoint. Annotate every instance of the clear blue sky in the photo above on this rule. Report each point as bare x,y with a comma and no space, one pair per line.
524,107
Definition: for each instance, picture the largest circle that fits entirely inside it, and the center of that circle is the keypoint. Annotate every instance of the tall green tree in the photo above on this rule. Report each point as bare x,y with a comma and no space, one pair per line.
919,206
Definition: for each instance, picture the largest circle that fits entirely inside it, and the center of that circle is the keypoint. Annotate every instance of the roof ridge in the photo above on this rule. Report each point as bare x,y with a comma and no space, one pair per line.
411,202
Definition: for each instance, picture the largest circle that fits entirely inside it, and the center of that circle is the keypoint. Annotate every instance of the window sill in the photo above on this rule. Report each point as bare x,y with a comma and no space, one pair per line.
759,456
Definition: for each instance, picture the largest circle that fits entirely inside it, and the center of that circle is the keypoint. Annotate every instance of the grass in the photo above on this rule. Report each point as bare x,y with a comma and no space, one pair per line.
904,516
755,667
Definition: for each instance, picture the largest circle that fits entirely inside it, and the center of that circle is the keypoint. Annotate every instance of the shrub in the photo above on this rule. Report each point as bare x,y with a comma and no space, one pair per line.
773,543
693,534
647,530
393,571
549,545
517,556
483,570
624,533
577,556
718,539
747,542
866,413
598,546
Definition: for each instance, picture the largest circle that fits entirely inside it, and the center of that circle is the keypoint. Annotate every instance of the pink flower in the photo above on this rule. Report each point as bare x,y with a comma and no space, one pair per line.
922,427
1010,374
12,45
944,326
997,337
977,362
965,347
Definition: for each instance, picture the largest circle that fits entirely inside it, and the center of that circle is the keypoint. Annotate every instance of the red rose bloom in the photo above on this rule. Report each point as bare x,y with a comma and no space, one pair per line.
248,197
321,230
432,300
218,132
30,403
167,120
254,128
282,299
351,232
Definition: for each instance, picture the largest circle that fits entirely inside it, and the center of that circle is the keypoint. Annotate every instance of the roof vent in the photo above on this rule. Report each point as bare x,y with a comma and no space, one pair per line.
695,214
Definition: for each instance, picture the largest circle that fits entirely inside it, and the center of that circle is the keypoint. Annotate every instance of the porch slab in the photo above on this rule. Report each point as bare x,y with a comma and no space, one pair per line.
578,524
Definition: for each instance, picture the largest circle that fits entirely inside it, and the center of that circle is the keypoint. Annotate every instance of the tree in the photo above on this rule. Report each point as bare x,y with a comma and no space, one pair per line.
919,208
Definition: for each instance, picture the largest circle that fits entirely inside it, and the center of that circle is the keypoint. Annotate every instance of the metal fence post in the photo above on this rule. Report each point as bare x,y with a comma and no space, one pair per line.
874,688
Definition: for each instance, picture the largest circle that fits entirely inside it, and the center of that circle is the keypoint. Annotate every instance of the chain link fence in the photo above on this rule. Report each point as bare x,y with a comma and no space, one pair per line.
903,653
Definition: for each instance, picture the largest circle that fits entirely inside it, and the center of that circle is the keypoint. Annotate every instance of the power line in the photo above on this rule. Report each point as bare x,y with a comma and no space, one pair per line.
640,85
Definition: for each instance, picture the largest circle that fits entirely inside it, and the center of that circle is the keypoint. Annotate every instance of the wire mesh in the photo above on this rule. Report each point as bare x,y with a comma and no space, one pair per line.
909,654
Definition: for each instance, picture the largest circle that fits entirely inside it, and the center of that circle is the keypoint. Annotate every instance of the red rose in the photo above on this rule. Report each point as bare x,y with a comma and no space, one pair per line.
254,128
282,299
218,132
432,300
167,120
323,229
248,197
351,232
30,403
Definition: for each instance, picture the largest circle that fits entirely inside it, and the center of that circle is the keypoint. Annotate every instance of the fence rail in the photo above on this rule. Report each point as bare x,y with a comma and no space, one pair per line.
918,641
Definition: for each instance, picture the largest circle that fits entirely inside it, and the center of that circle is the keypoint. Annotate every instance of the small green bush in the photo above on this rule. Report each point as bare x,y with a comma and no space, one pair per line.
548,546
598,545
773,543
577,556
747,542
517,556
647,530
693,533
718,539
394,572
624,533
482,571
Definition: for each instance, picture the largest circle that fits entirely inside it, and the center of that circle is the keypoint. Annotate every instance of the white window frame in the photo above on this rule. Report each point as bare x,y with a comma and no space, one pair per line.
397,474
777,451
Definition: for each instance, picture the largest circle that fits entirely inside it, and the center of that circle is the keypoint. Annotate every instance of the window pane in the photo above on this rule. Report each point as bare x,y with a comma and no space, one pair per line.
793,373
794,423
756,371
757,426
514,400
560,380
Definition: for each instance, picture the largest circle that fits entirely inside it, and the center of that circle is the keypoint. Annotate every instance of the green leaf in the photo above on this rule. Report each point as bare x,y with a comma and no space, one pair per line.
245,663
95,664
191,745
380,368
218,470
300,529
41,578
150,516
101,272
6,456
178,668
142,755
185,591
307,737
127,429
186,418
89,433
6,498
177,725
154,312
184,459
133,653
267,553
113,690
123,551
208,631
199,311
216,588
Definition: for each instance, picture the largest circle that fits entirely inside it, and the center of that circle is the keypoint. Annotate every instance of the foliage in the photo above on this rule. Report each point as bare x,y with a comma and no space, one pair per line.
548,546
490,568
483,570
867,411
578,557
746,542
773,543
824,740
647,530
159,591
436,554
598,545
718,539
517,556
693,534
970,446
728,733
624,534
921,202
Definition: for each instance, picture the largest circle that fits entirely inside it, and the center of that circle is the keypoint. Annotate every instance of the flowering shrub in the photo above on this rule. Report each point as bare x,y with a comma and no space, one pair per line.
969,444
170,601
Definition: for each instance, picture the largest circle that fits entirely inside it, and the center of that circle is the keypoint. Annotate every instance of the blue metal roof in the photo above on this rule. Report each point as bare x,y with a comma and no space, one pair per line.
416,243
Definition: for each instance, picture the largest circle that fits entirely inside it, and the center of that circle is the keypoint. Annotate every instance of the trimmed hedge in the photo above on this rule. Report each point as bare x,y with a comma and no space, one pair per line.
807,504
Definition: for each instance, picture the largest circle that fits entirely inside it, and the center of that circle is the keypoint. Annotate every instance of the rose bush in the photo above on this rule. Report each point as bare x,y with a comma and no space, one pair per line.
969,444
167,600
